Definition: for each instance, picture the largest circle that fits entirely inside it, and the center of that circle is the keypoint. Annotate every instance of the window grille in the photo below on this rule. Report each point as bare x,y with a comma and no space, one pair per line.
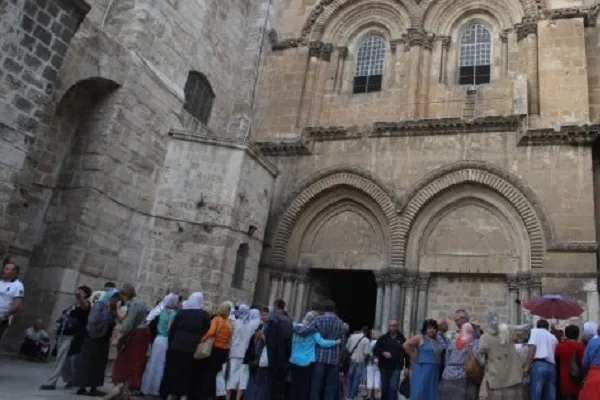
369,65
475,56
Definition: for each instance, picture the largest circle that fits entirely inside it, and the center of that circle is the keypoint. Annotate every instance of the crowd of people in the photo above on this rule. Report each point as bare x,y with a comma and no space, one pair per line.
180,350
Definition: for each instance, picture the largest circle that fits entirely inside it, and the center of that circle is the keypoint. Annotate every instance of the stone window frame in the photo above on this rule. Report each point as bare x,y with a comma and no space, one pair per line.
496,56
199,96
353,43
374,62
477,53
239,270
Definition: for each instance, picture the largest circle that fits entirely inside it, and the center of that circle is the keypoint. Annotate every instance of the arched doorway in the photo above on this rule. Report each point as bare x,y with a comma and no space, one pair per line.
333,235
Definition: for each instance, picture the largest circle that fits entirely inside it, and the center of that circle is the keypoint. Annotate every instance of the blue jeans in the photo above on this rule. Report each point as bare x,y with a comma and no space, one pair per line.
355,373
390,379
325,378
543,381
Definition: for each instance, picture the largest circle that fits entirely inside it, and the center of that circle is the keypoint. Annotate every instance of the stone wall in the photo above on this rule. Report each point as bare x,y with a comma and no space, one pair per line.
34,37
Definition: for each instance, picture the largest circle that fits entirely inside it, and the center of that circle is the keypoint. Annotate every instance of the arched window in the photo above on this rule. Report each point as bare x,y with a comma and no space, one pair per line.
369,65
237,281
475,55
199,96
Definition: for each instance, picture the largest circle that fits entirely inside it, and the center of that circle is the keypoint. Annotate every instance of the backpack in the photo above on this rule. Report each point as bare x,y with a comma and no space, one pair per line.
575,370
346,356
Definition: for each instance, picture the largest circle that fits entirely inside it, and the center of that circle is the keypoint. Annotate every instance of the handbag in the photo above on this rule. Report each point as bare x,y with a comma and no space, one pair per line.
575,370
347,355
472,368
204,348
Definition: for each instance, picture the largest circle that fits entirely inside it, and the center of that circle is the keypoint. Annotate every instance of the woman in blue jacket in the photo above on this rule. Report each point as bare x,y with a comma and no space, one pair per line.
303,357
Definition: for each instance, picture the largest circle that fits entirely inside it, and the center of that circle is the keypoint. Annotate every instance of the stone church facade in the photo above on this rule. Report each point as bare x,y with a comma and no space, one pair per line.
445,148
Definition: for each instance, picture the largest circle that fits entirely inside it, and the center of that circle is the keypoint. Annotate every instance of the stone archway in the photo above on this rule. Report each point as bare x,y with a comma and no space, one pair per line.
342,219
472,235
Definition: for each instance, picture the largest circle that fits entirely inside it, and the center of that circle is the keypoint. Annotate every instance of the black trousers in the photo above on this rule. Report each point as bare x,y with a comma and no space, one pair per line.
300,385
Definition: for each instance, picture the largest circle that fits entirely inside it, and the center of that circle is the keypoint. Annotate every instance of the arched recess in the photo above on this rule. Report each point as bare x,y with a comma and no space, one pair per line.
492,178
442,15
326,191
330,22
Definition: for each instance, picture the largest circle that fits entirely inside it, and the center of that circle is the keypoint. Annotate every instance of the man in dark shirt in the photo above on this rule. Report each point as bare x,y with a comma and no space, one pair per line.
392,360
279,326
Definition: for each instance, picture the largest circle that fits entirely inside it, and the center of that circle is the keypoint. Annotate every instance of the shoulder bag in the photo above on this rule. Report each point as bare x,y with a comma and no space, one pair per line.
575,370
472,368
347,355
204,348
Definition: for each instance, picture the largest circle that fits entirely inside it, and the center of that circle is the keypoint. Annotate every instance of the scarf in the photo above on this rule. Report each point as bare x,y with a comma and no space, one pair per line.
465,336
243,314
169,301
194,302
101,319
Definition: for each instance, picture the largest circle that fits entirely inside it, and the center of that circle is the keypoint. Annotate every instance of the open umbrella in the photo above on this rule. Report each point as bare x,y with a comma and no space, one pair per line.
554,306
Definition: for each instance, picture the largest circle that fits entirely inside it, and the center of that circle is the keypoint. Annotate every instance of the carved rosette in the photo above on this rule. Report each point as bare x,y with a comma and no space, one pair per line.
320,50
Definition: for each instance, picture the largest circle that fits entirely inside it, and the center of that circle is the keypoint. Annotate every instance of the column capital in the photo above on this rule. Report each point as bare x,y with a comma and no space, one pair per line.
395,43
302,275
379,278
320,50
535,281
446,41
417,37
527,26
504,36
276,274
342,52
524,280
423,281
513,282
397,276
590,286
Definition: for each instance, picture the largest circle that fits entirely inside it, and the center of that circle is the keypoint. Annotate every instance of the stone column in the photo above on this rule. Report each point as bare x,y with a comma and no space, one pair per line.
504,40
423,282
527,32
379,302
409,289
513,296
424,78
444,59
275,284
387,301
413,81
396,279
300,290
592,300
524,296
535,288
287,287
342,53
291,305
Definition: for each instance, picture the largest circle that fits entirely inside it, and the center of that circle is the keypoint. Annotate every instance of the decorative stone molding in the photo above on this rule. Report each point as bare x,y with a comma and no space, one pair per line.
592,17
535,281
320,50
410,281
513,283
312,187
504,36
394,43
447,126
526,27
423,281
446,41
284,44
417,37
524,280
571,135
283,148
342,52
379,278
573,247
397,276
475,172
325,133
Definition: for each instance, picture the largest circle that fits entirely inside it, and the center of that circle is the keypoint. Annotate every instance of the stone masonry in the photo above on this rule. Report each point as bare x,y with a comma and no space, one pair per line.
448,192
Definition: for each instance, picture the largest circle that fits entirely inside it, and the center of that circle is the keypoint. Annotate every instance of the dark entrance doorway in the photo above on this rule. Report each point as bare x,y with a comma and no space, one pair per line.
354,293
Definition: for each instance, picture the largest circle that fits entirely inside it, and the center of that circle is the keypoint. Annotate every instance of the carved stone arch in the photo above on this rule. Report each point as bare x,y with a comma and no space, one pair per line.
491,177
441,16
325,181
329,17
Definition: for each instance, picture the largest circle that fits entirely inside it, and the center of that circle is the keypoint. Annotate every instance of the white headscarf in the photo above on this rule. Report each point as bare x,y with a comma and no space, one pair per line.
590,329
194,302
169,301
254,314
243,314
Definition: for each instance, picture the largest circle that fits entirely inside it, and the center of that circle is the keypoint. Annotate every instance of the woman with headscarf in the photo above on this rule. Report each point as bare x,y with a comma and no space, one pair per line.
156,364
246,323
303,358
182,372
91,364
220,331
455,384
503,377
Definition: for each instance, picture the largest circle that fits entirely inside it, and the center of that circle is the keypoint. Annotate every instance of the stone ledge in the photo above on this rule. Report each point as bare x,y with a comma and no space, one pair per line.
325,133
284,44
571,135
283,148
447,126
573,247
233,143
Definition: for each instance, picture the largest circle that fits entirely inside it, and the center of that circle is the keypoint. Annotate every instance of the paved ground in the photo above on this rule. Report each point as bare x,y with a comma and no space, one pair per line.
21,379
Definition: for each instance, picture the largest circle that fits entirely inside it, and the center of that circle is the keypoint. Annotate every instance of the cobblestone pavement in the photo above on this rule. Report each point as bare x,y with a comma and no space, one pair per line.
20,379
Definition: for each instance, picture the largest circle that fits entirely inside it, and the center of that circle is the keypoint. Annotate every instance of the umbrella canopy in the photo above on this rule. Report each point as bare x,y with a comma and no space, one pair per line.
554,306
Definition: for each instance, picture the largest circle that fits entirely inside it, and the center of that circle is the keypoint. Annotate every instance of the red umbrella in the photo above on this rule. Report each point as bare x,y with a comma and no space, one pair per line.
554,306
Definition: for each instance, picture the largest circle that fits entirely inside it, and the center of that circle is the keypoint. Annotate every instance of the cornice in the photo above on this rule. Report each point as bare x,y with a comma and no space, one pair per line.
573,247
283,148
324,133
447,126
589,14
528,26
571,135
320,50
417,37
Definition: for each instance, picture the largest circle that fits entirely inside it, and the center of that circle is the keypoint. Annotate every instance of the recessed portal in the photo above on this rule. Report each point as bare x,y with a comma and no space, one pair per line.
353,291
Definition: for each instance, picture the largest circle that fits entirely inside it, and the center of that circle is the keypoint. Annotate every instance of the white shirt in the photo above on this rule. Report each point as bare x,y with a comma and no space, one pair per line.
545,344
242,333
363,347
9,291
